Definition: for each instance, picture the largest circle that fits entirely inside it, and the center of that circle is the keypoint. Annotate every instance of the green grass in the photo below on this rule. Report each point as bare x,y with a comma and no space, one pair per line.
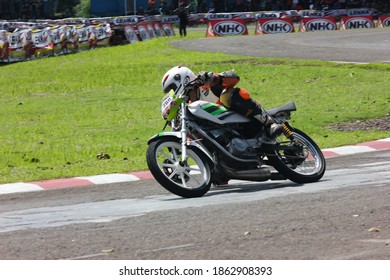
58,113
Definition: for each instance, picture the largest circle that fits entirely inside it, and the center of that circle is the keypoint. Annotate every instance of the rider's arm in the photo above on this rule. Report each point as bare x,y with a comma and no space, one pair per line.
225,79
229,78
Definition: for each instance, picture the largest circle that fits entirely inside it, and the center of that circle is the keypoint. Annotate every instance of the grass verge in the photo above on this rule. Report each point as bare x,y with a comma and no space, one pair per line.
58,114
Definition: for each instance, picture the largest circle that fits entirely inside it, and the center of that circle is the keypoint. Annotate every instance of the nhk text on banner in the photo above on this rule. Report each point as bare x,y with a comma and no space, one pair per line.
274,26
226,27
226,24
355,22
317,24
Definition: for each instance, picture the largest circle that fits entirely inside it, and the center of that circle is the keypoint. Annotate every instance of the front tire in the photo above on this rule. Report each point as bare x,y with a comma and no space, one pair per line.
298,158
189,179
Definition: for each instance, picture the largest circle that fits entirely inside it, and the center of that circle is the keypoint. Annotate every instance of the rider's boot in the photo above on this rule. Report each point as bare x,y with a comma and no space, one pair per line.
272,128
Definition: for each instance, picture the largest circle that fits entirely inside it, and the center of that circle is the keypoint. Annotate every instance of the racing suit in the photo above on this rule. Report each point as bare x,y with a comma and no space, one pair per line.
222,86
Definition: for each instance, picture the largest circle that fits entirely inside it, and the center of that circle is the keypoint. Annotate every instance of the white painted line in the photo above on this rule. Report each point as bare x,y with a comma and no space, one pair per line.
88,256
19,187
169,248
373,164
110,178
386,241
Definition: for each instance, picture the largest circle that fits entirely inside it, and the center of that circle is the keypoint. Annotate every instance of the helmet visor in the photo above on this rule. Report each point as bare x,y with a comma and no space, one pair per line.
170,87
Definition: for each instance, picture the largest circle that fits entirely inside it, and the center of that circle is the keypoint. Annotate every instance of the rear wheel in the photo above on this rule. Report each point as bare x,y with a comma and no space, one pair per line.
298,158
187,179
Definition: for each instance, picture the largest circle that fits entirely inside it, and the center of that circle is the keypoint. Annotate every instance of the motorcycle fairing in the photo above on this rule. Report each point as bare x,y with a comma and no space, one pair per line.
215,113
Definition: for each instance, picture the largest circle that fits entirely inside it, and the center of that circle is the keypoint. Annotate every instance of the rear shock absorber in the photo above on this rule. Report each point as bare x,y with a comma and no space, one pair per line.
287,130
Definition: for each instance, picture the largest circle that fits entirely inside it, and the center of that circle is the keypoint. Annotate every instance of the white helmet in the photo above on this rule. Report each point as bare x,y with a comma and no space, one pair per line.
176,79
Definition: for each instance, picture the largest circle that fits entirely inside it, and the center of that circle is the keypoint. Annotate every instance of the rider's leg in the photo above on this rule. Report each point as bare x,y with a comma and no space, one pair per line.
239,100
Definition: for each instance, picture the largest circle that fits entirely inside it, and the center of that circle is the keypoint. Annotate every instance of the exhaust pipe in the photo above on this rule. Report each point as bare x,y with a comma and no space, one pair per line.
258,174
262,174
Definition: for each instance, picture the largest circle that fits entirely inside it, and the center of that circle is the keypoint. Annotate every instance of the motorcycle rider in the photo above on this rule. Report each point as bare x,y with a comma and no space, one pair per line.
223,91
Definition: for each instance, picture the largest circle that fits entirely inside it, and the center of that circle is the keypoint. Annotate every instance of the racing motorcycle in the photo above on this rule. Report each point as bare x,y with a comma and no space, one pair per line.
209,144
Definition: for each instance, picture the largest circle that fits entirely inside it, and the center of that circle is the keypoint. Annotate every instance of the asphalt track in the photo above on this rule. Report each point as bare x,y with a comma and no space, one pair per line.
353,45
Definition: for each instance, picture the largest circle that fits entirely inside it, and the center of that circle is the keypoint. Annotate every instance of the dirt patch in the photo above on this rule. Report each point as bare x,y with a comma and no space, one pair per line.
382,123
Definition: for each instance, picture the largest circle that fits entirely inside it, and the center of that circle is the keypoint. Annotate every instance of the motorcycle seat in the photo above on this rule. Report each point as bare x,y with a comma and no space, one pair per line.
284,108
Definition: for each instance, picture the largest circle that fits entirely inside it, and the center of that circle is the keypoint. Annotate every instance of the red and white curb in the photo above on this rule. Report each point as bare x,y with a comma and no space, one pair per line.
383,144
74,182
358,148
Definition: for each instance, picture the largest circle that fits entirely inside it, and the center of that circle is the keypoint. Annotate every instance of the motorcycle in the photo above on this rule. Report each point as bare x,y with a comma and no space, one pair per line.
209,144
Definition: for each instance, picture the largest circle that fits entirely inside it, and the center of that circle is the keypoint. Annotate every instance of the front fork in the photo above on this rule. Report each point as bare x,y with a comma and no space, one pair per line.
183,132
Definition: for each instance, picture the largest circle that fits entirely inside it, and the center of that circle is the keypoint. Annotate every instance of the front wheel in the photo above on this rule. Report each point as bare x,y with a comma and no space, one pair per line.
298,158
191,178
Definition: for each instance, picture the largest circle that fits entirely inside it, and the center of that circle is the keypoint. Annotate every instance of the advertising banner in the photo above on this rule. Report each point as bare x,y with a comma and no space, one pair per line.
72,42
28,40
274,26
158,29
20,41
86,37
5,25
4,45
317,24
150,28
57,36
143,32
226,24
125,20
42,42
354,22
130,34
20,45
384,21
268,15
227,28
168,29
103,34
360,12
170,19
311,13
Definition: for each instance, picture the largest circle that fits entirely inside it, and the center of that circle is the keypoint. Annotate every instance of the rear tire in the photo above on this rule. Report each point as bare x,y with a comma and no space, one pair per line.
304,164
192,179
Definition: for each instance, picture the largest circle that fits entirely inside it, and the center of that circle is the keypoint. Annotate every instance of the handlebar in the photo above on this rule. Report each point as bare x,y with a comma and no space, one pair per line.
194,84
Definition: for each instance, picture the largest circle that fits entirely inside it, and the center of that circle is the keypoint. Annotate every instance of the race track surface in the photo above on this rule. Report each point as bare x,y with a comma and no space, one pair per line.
357,46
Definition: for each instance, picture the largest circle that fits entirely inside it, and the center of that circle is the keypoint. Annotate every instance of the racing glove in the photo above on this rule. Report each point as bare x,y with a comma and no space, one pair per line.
206,77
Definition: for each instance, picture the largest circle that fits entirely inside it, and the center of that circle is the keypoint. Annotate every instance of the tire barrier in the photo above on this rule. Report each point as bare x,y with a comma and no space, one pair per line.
21,41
